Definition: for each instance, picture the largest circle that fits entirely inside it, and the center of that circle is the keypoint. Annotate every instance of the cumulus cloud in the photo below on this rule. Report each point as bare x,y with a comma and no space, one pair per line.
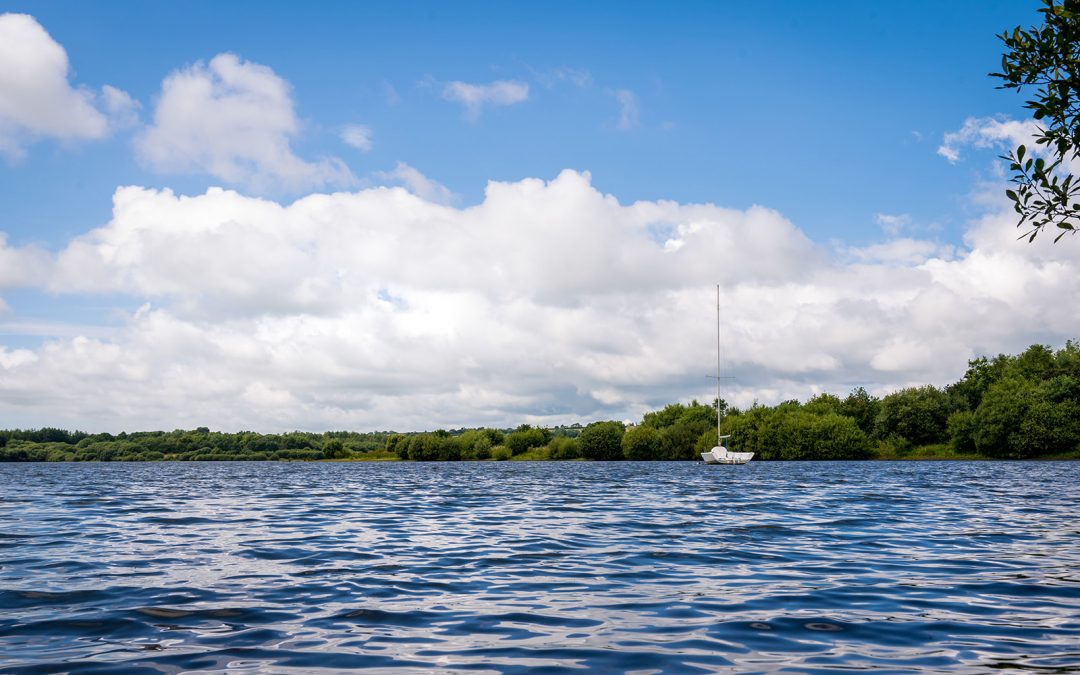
234,120
122,109
417,183
548,301
36,98
902,251
22,267
358,136
474,97
988,132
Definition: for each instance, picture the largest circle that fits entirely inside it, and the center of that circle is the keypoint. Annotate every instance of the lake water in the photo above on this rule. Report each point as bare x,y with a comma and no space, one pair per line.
540,567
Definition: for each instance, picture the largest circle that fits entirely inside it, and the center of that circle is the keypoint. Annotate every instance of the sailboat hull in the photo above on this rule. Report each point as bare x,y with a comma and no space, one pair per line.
709,459
720,455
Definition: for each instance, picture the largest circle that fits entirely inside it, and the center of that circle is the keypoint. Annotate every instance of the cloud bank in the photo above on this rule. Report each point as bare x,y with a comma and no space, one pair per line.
547,302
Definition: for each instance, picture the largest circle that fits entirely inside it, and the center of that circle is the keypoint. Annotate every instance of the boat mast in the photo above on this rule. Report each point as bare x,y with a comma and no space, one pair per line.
718,365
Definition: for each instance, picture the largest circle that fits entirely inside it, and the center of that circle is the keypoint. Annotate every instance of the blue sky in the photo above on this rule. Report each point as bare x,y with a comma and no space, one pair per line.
467,213
828,112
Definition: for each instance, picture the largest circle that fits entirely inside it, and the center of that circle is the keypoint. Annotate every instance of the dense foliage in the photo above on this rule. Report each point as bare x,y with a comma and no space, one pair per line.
57,445
1009,407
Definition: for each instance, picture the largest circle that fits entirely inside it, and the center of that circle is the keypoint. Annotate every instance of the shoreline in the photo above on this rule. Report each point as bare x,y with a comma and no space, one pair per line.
1068,457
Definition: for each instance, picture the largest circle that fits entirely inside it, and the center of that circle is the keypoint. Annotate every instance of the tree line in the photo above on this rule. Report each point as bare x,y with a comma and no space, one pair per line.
59,445
1020,406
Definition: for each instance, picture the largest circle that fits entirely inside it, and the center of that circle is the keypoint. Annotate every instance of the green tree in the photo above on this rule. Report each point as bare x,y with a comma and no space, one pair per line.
1035,363
861,407
398,444
999,416
334,449
525,437
823,404
481,448
1047,59
745,431
961,426
918,414
785,432
679,441
1049,428
981,373
642,443
602,441
495,436
834,436
661,419
564,447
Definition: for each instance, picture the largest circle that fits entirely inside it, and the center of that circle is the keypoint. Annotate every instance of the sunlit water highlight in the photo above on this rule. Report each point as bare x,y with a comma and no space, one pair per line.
540,567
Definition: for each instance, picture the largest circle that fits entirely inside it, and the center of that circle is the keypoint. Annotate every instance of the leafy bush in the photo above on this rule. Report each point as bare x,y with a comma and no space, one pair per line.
563,447
918,414
526,437
602,441
961,426
642,443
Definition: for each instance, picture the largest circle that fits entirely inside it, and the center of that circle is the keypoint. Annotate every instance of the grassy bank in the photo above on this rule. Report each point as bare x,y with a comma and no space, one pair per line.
939,451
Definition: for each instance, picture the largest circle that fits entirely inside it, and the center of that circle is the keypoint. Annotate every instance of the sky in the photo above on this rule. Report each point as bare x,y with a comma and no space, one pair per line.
419,215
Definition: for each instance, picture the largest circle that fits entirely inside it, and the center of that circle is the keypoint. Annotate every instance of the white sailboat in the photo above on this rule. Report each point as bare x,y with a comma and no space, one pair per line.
719,454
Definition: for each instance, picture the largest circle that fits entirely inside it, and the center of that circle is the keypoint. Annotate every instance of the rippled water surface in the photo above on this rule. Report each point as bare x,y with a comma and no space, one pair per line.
545,567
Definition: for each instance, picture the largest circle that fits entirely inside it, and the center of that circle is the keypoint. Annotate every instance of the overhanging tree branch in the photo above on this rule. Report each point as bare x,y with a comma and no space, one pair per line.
1047,57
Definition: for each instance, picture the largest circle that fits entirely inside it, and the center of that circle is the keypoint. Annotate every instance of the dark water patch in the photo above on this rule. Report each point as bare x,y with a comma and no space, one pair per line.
232,615
540,567
13,599
379,617
177,520
94,626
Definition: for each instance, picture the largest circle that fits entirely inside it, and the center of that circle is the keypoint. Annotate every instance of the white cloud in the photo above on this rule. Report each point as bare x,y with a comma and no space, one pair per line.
629,112
547,302
476,96
36,99
13,358
234,120
123,110
358,136
21,267
418,184
988,132
902,251
892,224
